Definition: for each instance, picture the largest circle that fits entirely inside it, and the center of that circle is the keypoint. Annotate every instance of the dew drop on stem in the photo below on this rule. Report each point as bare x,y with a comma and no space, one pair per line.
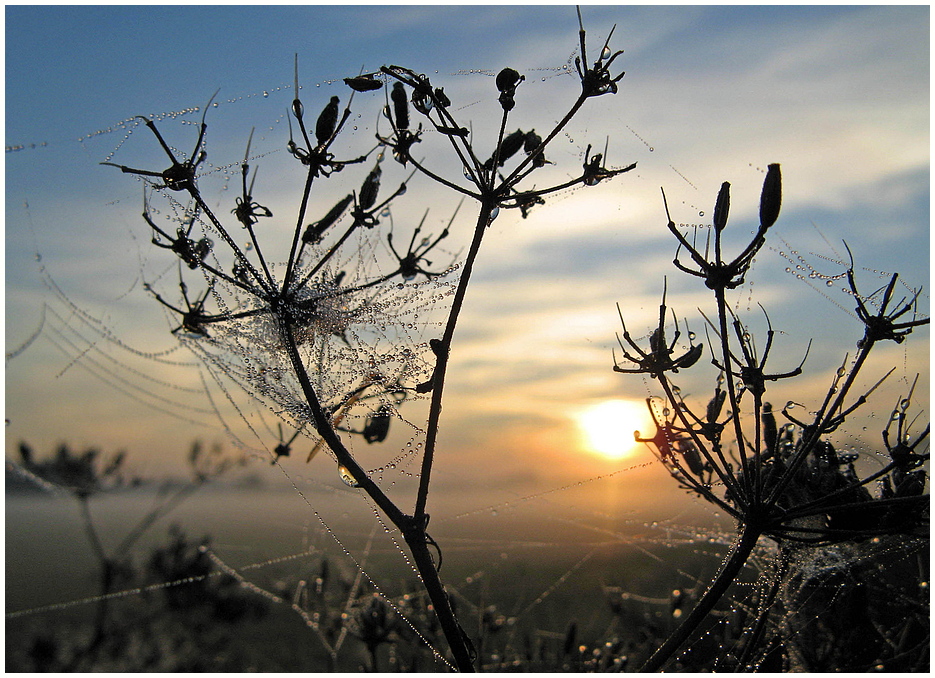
347,477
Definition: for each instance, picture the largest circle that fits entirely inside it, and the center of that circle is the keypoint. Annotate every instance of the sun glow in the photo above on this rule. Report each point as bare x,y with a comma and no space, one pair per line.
607,427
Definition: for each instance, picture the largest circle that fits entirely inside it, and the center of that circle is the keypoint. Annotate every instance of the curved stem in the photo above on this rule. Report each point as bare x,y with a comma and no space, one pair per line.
729,570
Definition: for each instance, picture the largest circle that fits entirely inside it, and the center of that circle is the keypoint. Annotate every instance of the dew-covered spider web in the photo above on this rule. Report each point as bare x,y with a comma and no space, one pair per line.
252,550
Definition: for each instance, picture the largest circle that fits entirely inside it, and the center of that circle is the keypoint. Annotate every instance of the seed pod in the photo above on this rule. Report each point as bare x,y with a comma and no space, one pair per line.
691,357
508,79
313,232
770,431
691,456
511,145
715,405
400,105
531,143
370,188
327,121
771,198
722,207
363,83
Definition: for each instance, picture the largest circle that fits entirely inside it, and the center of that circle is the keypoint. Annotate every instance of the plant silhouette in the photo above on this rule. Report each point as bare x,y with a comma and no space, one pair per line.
278,329
787,483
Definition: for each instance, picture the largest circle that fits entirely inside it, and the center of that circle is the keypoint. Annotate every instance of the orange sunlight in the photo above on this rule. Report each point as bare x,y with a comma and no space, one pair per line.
606,428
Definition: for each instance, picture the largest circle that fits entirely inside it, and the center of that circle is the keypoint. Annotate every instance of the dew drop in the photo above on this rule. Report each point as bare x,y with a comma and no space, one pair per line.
700,214
605,53
265,95
651,149
347,477
494,213
829,283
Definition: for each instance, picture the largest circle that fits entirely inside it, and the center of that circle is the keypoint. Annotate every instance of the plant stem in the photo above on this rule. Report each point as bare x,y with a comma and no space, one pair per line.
415,539
411,527
739,553
441,363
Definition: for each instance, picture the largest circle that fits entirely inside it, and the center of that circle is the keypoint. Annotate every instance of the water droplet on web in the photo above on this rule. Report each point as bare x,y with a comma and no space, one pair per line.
651,149
265,95
829,283
700,214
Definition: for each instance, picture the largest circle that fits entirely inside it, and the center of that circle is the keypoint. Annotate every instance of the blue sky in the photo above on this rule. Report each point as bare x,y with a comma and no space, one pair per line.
838,95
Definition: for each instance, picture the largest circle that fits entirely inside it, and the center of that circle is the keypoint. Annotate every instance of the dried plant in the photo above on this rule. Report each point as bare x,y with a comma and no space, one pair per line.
785,482
87,476
294,335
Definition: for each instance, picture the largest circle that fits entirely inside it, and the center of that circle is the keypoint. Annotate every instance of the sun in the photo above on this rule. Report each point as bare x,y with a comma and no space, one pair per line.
607,427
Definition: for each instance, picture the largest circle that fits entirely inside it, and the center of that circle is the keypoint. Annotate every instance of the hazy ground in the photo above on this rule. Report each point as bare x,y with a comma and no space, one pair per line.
540,565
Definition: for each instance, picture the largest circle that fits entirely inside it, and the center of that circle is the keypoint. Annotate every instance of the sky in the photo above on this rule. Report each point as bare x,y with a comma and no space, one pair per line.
839,96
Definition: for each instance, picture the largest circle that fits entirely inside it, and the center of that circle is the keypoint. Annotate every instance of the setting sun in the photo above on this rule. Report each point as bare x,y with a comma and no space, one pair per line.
607,427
